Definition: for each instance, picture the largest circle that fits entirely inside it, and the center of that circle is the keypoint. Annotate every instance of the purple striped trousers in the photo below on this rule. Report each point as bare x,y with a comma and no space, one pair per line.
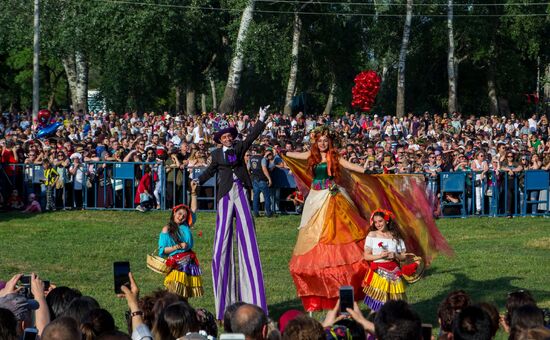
250,285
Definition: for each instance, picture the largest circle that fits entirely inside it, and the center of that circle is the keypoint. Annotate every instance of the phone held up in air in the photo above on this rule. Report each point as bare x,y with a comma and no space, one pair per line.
30,334
120,271
346,299
232,336
427,331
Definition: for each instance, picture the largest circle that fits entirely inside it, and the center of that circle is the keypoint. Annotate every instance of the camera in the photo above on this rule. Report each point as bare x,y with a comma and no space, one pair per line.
26,286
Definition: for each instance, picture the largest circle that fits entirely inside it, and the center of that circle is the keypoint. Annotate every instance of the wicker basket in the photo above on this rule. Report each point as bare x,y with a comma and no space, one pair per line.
410,258
157,264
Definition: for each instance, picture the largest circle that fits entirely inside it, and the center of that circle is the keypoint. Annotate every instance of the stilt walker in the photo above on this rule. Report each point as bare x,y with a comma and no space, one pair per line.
228,163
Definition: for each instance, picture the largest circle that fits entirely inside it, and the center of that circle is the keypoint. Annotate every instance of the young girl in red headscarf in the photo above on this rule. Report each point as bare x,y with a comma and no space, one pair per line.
176,243
384,247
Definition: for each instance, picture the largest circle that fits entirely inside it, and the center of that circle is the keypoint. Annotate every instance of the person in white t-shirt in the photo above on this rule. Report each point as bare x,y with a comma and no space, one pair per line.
384,247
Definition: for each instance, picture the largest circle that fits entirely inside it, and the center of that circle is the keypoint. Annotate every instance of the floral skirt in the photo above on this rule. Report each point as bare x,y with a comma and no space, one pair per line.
185,277
382,283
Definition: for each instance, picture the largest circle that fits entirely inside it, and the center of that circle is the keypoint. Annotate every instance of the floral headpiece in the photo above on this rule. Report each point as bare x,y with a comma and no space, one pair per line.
324,129
189,214
387,215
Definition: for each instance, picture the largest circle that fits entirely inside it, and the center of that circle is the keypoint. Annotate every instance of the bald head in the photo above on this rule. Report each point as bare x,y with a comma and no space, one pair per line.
251,321
63,328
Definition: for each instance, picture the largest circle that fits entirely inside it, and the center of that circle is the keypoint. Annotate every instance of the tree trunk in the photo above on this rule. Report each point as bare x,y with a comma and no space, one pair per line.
82,71
76,69
190,108
451,67
291,87
203,102
492,90
384,71
546,98
330,99
214,96
400,102
229,100
53,88
179,101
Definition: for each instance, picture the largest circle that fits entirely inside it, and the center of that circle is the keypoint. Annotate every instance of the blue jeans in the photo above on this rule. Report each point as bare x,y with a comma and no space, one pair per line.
257,187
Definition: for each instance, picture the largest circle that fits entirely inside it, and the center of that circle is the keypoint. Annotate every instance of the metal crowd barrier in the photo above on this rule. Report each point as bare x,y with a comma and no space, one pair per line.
468,193
112,185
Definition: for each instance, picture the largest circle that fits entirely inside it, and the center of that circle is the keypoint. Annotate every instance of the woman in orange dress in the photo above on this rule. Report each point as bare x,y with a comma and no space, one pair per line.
329,249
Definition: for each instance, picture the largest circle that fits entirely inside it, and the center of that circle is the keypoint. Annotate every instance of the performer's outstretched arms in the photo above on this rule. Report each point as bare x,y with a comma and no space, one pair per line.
351,166
298,155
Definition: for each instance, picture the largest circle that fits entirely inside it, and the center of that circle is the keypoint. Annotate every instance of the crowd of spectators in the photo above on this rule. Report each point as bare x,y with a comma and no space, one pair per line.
496,149
64,313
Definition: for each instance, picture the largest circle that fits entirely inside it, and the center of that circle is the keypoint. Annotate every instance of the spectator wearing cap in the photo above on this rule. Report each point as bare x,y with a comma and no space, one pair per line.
287,317
22,307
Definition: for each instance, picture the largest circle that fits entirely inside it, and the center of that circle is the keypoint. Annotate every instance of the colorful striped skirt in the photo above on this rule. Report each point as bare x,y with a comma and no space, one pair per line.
382,283
185,278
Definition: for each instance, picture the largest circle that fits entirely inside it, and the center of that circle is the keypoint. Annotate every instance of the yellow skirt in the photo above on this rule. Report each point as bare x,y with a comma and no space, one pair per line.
183,284
379,289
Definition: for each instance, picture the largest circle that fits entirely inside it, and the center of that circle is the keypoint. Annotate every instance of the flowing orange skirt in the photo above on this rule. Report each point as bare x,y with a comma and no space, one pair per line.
329,250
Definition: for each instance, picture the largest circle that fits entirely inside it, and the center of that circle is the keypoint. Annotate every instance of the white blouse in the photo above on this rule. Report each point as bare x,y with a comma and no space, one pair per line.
379,244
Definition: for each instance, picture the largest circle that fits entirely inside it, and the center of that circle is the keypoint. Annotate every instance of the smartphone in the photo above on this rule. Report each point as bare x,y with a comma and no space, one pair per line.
427,331
30,334
232,336
121,270
346,299
46,285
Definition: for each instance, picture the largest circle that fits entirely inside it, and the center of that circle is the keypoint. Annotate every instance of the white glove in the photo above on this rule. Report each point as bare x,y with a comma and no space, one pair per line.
263,112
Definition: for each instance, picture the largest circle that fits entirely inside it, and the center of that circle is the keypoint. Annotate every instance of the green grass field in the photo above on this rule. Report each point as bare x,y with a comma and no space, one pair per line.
493,256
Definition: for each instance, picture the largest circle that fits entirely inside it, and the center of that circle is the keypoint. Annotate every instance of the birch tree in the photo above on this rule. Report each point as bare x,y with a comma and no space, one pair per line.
451,68
291,87
400,102
230,95
77,70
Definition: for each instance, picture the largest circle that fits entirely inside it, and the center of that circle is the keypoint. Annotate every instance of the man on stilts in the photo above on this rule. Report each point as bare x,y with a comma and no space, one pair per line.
233,179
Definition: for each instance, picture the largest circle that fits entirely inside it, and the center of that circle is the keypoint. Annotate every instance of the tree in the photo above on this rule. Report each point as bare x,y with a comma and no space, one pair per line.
230,95
293,74
451,68
400,102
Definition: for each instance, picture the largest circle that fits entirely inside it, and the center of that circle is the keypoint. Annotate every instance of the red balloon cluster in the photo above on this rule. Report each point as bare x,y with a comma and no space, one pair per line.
367,85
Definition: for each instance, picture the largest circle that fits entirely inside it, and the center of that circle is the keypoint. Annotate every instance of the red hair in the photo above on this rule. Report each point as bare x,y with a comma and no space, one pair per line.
332,156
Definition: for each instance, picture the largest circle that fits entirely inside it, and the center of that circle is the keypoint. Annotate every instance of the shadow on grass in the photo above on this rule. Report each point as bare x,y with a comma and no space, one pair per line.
6,216
494,291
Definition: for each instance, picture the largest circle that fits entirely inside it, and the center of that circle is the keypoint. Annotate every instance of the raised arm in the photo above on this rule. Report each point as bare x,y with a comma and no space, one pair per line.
194,204
42,314
256,130
298,155
351,166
